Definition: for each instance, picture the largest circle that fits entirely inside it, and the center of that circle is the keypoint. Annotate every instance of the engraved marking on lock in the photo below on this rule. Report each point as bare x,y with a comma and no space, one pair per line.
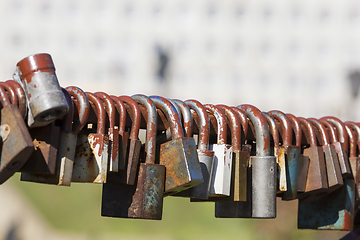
4,131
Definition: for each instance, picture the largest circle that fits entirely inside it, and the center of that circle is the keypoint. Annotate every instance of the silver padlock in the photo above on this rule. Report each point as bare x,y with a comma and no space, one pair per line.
223,153
263,167
46,102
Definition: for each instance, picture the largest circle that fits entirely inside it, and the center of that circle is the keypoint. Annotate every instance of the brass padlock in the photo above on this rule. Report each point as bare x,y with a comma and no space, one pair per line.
332,162
113,132
316,182
292,155
46,102
340,144
145,199
91,157
123,135
72,123
178,155
17,145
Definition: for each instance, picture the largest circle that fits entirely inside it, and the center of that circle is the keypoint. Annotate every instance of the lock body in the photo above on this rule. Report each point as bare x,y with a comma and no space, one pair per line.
292,172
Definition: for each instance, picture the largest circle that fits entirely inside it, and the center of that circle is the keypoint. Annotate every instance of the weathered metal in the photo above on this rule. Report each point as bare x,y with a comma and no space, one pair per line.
178,155
292,155
332,162
46,102
186,117
263,167
17,147
113,132
340,144
10,92
20,96
91,157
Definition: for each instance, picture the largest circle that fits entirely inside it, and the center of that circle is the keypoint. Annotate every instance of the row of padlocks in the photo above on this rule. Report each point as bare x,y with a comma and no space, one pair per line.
242,158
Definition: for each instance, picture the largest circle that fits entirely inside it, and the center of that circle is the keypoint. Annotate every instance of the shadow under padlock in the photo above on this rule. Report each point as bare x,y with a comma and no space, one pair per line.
143,200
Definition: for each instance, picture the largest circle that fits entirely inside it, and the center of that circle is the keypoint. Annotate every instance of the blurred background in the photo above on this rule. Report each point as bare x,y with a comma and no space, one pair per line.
297,56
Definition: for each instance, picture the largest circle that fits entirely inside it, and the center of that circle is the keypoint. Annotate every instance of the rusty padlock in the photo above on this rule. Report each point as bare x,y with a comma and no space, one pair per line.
316,182
123,135
292,155
331,160
46,102
223,153
72,123
263,167
20,96
186,116
340,144
17,145
11,94
113,132
145,199
178,155
91,156
304,161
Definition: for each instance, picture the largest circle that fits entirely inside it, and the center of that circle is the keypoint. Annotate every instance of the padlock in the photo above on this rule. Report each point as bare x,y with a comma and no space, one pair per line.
17,145
145,199
341,145
91,156
332,162
223,153
67,140
353,131
263,167
206,156
46,144
292,155
20,96
304,161
123,135
135,143
332,212
113,132
279,153
46,102
316,182
178,155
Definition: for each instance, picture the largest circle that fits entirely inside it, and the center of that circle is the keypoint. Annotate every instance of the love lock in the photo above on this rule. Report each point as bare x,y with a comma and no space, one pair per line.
72,123
178,155
340,144
91,157
46,102
263,167
145,199
17,145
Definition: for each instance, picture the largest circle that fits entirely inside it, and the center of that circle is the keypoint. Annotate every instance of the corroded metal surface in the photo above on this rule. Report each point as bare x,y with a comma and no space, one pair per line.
20,96
187,117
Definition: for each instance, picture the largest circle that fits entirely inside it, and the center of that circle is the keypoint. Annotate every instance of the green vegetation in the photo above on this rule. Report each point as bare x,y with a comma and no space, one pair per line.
77,209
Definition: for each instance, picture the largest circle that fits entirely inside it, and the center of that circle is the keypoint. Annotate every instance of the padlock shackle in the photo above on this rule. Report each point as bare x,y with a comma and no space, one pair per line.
204,125
4,98
171,114
331,130
135,116
151,126
340,127
109,106
187,116
273,129
83,106
221,122
244,121
177,108
296,128
308,131
234,125
323,136
261,129
69,116
285,124
11,92
99,110
350,127
20,95
120,107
